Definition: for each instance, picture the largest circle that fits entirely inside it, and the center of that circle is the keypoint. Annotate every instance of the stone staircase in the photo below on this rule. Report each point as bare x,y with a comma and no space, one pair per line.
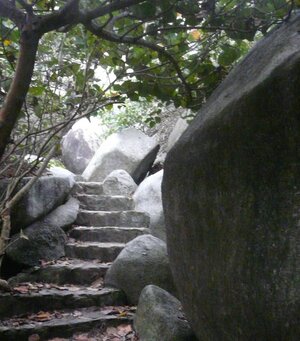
64,297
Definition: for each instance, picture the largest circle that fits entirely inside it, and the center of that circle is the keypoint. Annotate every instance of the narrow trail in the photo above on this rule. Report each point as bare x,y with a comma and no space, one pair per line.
64,297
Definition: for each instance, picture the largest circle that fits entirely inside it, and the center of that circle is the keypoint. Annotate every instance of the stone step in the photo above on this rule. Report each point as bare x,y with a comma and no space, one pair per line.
107,233
104,252
108,218
63,324
71,271
105,202
56,299
87,188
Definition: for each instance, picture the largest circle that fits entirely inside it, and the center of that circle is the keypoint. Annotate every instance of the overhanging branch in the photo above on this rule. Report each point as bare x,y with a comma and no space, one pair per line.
113,6
9,10
111,36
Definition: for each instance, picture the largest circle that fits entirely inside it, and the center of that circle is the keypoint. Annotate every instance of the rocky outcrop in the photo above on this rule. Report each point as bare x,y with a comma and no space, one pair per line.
80,144
129,149
231,198
148,199
159,317
119,182
45,195
143,261
38,242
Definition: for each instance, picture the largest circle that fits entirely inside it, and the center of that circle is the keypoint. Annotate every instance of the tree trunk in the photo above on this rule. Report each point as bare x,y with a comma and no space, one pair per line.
5,232
12,106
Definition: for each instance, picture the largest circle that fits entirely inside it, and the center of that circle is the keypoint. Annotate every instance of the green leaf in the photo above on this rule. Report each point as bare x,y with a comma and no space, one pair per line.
36,90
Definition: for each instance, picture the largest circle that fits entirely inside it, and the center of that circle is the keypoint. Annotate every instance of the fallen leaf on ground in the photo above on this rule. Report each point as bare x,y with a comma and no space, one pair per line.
97,283
21,289
34,337
42,316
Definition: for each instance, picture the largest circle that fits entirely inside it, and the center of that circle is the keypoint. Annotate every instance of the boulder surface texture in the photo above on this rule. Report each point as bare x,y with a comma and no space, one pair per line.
159,317
64,215
119,182
45,195
148,199
129,149
143,261
80,144
231,194
42,242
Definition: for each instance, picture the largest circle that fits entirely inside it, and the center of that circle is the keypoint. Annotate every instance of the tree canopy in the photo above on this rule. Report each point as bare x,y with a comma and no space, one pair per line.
174,50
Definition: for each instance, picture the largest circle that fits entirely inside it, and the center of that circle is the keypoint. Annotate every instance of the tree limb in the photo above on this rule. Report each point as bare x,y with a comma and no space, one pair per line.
9,10
113,6
18,90
111,36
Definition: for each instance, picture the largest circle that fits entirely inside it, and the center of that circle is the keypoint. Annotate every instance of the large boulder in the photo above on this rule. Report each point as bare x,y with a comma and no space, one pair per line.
37,242
119,182
80,144
231,198
129,149
159,317
64,215
148,199
45,195
63,173
143,261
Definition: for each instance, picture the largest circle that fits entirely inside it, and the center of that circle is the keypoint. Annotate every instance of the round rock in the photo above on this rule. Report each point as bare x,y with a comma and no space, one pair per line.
159,316
143,261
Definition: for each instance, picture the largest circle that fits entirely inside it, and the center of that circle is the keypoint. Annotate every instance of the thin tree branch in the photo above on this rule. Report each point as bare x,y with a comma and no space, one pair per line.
111,36
113,6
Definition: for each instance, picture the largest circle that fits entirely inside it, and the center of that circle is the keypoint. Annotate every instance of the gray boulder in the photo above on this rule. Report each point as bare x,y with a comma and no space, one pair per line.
45,195
63,173
80,144
119,182
41,242
180,126
143,261
63,216
148,199
129,149
231,200
159,317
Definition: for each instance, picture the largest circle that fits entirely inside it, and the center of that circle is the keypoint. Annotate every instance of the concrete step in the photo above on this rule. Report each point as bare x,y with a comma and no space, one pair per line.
107,233
104,252
56,299
63,324
109,218
70,271
87,188
105,202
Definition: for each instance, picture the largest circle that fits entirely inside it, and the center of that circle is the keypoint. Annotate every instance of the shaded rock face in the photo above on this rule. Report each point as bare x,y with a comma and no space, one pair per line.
231,194
64,215
44,243
80,144
129,149
119,182
159,317
179,128
46,194
143,261
148,199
